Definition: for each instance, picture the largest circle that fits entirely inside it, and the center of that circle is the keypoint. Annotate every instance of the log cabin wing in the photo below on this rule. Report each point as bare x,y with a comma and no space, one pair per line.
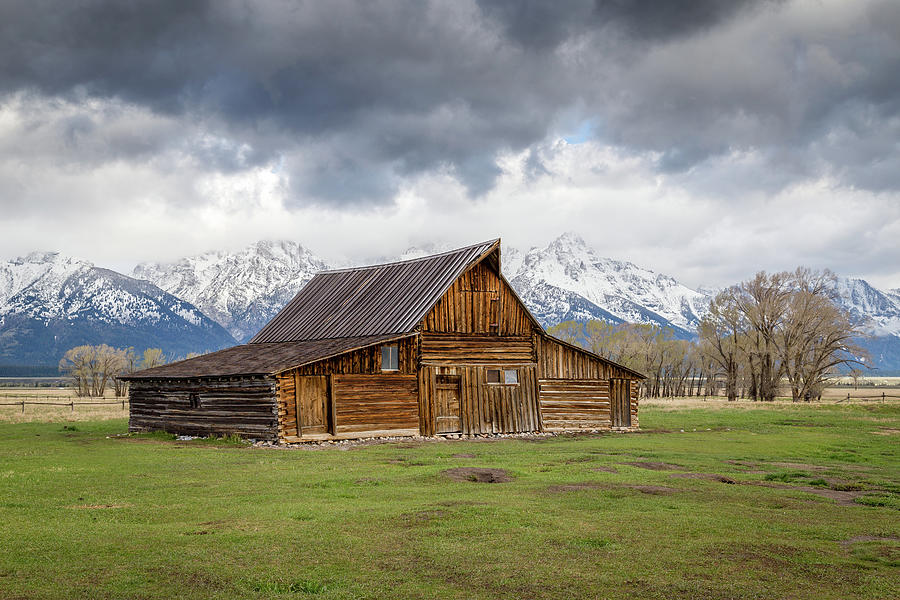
440,345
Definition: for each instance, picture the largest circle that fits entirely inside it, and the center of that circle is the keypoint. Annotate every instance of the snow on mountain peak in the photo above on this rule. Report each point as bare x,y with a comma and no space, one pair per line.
628,292
876,311
50,302
241,290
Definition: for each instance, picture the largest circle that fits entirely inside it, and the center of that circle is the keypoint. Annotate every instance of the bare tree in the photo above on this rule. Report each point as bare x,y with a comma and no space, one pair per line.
763,302
816,335
721,332
92,367
153,357
568,331
127,365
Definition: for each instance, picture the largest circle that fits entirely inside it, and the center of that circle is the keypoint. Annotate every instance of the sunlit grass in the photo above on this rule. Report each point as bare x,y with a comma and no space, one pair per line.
86,512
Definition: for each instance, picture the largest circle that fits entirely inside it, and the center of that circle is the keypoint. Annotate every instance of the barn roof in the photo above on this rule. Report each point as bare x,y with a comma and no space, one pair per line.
382,299
261,359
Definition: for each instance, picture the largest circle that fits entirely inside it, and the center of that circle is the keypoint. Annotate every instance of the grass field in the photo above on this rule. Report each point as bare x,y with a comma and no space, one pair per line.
773,501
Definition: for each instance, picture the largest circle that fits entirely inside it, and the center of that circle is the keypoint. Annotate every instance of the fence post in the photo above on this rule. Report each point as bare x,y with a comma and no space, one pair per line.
123,403
23,406
848,396
882,396
72,404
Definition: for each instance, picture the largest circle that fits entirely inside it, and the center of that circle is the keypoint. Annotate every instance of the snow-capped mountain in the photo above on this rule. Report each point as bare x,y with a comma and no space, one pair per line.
50,303
878,311
241,291
568,280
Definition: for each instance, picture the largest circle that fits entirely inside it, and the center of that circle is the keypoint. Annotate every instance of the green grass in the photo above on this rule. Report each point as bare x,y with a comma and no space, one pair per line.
85,514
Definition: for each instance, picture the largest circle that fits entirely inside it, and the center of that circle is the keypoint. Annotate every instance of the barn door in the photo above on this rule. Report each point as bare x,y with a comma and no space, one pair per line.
620,402
312,404
447,407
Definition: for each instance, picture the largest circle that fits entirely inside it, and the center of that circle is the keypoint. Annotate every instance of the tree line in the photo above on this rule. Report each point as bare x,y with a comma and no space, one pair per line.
770,329
94,368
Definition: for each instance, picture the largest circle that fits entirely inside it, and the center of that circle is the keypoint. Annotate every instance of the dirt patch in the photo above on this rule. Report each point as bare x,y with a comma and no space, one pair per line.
869,538
99,506
842,497
799,466
654,466
605,469
747,467
423,517
580,459
478,475
654,490
887,431
773,557
574,487
463,455
706,476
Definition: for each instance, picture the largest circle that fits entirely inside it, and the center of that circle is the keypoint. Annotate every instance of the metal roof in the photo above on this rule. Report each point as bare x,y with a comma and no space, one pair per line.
377,300
260,359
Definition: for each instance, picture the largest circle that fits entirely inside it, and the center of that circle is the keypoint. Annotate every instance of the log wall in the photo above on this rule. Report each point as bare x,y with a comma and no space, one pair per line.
574,387
440,349
243,406
574,404
375,405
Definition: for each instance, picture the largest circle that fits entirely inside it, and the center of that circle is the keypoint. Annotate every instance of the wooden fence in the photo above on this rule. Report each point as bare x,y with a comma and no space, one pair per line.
872,397
44,400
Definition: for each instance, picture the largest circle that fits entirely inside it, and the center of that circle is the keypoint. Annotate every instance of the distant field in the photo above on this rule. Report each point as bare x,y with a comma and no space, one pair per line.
110,407
870,381
43,405
749,501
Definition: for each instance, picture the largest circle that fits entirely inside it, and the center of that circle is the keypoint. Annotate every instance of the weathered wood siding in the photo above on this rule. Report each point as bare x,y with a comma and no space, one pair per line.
575,387
366,360
242,406
479,302
438,349
634,405
359,362
484,407
375,405
574,404
560,361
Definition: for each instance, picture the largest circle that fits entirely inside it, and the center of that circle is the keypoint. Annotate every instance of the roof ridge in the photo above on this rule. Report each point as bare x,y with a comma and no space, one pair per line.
408,260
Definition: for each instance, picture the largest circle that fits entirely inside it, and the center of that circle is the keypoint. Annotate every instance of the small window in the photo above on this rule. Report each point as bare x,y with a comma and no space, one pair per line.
504,376
389,358
194,400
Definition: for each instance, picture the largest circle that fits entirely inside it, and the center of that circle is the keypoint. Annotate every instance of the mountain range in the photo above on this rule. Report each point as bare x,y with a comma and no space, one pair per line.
49,302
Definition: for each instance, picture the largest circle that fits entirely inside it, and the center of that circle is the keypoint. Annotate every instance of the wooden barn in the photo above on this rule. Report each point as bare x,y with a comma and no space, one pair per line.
439,345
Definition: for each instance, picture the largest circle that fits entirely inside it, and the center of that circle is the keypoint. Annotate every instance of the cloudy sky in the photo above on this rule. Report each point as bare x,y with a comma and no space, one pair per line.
705,142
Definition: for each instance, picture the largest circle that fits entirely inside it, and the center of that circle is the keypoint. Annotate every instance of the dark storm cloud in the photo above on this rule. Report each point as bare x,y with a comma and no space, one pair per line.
408,86
541,24
651,19
361,96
